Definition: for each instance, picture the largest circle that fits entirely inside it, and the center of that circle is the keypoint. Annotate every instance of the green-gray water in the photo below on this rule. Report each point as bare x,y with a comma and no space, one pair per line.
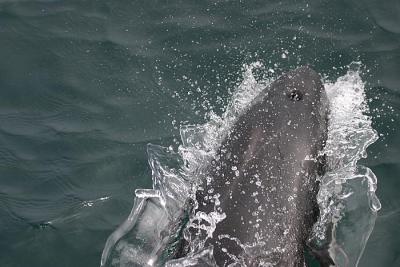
85,85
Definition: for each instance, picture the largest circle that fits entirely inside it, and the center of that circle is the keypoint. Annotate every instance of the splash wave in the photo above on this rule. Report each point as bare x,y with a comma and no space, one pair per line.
346,198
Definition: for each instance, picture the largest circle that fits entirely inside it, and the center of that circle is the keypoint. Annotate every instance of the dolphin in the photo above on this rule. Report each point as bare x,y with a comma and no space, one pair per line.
263,181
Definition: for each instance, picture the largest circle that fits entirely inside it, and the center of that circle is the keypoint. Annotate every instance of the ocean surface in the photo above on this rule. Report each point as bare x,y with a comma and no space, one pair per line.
86,85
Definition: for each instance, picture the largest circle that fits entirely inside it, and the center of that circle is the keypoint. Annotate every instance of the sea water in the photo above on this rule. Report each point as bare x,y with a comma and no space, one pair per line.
346,197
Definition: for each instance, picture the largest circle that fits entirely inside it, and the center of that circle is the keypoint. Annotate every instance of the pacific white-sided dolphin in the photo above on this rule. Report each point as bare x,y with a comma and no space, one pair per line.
263,181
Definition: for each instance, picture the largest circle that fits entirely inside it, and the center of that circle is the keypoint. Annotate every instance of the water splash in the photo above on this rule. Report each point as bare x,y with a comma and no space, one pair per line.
347,197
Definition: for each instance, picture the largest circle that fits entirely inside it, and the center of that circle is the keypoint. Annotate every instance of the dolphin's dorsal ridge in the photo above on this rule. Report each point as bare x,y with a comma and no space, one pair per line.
265,175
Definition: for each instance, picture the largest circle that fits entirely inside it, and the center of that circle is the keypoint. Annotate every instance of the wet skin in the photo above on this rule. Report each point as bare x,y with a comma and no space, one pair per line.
264,176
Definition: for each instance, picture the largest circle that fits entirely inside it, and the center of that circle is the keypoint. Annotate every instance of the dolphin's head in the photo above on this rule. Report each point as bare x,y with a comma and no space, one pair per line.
304,91
299,100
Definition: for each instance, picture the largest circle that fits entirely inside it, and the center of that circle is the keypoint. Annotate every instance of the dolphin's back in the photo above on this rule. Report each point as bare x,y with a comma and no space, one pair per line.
264,175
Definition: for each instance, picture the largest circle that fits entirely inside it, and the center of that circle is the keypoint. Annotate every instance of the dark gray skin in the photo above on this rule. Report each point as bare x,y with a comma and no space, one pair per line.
266,175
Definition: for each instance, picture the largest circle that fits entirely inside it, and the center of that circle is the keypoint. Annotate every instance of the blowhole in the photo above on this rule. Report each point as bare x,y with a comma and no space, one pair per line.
295,95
